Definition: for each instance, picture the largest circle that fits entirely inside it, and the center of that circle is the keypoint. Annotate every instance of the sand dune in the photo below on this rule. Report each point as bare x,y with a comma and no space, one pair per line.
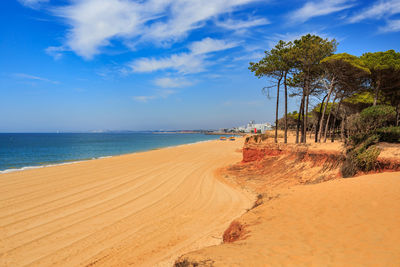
142,209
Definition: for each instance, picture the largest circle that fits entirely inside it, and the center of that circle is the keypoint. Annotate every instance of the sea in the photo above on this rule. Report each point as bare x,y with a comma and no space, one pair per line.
19,151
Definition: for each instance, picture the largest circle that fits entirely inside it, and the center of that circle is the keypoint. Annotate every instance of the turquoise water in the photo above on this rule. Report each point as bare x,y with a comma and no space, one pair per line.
19,150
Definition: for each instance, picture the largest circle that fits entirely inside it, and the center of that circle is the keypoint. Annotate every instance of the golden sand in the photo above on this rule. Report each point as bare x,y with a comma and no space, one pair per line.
343,222
141,209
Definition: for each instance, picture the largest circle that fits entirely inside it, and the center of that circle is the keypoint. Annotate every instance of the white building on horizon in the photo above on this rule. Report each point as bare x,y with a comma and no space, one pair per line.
249,128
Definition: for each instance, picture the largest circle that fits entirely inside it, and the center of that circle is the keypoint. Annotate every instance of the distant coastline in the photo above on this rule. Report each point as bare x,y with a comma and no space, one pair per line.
26,151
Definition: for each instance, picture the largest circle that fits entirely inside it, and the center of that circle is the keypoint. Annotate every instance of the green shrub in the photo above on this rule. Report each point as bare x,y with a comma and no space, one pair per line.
369,127
362,155
357,138
389,134
376,117
366,161
362,141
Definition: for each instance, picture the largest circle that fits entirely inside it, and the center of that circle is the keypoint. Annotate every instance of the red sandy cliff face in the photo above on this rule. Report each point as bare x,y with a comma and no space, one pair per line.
389,158
267,165
255,150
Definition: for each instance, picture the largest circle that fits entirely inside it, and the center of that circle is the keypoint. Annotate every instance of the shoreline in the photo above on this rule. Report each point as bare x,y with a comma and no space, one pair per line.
73,161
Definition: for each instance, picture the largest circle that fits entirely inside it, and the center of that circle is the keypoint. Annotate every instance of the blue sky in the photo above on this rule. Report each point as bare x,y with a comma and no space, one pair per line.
161,64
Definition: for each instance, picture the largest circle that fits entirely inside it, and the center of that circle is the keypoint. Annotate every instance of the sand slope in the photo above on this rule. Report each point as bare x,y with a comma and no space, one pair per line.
344,222
142,209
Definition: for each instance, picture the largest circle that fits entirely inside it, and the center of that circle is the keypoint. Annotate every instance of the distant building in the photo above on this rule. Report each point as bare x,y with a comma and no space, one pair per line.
249,128
262,127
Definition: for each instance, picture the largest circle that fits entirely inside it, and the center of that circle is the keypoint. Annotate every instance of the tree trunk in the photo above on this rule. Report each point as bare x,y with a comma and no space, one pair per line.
323,112
319,118
312,129
397,114
378,83
286,97
345,130
277,110
305,120
330,130
306,90
303,100
298,121
342,129
334,121
327,120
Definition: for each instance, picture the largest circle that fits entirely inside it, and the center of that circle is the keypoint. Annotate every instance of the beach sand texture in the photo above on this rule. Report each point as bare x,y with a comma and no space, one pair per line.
343,222
141,209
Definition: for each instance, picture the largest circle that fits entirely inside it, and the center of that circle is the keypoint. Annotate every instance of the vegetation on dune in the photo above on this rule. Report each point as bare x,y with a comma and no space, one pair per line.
361,156
339,95
375,117
389,134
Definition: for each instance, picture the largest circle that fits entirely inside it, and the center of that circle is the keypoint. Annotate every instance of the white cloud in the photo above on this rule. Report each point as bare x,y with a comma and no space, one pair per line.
236,25
379,10
32,3
184,63
191,62
95,23
319,8
33,77
158,94
168,82
208,45
185,16
391,26
55,51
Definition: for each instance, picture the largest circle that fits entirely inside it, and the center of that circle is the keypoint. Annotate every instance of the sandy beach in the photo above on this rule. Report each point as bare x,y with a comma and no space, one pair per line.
141,209
344,222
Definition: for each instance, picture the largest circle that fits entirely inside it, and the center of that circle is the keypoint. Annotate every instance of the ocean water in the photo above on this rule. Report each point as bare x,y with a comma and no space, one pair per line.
24,150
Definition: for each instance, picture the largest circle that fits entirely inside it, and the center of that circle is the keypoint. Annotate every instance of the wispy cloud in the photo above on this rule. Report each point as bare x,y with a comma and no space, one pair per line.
313,9
33,77
164,93
55,51
168,82
209,45
32,3
193,61
240,25
379,10
391,26
183,63
93,24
